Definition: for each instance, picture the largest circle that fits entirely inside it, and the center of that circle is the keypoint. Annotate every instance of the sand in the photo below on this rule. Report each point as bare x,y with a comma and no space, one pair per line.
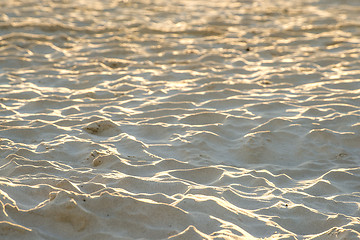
156,119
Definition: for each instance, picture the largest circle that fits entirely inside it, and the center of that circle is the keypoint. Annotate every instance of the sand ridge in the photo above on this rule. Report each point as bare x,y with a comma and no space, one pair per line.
179,119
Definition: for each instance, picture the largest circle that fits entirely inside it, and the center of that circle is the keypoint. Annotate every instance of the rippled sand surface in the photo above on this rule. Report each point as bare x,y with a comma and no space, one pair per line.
156,119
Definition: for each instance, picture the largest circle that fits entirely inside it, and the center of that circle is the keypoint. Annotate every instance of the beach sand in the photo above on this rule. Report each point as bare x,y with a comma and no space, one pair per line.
155,119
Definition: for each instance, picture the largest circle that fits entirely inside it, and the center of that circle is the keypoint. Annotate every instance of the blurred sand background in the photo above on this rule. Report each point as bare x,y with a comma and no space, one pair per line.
156,119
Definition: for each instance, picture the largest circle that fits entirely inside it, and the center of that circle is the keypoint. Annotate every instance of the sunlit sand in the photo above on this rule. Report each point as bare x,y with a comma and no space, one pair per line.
155,119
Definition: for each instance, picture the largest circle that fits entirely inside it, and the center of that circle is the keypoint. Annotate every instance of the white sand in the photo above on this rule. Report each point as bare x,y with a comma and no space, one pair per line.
156,119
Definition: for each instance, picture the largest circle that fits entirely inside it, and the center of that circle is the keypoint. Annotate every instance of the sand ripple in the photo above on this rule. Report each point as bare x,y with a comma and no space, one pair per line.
179,119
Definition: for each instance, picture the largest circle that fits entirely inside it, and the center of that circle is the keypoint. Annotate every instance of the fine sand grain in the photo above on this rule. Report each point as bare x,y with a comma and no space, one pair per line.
189,119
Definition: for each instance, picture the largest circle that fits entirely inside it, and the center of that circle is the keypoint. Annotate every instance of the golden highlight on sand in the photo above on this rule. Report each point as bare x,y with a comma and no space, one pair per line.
189,119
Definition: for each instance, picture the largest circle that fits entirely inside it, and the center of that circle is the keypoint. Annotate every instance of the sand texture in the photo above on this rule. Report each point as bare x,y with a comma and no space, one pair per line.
164,119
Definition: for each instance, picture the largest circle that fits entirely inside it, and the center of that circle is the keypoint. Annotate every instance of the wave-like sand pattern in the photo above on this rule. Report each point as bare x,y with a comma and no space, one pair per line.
180,119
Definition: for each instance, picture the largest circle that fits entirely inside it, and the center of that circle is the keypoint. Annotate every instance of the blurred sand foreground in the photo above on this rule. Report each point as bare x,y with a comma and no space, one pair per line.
157,119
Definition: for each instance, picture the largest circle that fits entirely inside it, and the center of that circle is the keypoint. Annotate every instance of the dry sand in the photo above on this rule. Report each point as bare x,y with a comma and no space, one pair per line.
156,119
